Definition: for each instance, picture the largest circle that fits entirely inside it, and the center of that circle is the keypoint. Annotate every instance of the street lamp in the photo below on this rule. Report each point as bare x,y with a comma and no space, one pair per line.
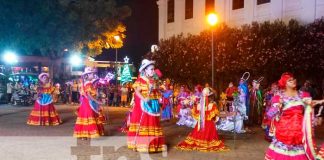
10,57
76,60
212,20
117,39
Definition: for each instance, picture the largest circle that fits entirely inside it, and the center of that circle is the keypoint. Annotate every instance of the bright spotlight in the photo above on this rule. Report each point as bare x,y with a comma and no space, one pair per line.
75,60
10,57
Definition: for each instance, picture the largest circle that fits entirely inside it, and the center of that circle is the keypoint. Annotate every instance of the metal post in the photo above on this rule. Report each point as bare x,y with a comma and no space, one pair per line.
116,69
212,45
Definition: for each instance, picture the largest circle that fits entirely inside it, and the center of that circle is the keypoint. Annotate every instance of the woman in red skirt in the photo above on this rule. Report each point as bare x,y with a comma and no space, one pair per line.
204,137
145,133
291,111
44,113
89,123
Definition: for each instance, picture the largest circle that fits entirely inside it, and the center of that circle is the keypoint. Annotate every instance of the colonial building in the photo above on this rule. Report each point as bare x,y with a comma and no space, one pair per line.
189,16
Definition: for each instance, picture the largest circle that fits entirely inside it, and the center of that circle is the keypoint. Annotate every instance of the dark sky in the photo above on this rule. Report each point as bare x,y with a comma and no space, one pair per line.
142,31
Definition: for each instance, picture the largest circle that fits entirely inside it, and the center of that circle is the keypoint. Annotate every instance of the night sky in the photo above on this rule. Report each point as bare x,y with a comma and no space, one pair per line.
142,31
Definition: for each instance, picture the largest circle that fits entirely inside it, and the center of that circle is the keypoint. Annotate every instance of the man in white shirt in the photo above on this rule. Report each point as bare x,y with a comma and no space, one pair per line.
10,88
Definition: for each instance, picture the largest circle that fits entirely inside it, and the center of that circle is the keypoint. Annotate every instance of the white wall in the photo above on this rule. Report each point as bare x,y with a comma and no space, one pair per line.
305,11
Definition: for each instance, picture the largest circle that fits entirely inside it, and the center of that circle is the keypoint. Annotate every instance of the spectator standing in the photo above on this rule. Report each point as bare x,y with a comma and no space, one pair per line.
75,91
10,89
124,94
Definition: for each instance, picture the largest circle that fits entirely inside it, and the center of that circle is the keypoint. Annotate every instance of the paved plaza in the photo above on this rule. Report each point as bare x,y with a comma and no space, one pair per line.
20,141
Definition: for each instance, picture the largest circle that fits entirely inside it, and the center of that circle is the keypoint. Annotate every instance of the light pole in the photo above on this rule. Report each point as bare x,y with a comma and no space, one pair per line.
212,20
117,39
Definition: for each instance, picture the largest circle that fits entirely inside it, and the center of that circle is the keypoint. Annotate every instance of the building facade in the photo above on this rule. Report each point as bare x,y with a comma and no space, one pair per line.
189,16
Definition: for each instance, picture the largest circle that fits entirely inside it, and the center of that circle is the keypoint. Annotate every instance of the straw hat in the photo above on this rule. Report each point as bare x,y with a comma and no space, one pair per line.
42,75
88,70
145,63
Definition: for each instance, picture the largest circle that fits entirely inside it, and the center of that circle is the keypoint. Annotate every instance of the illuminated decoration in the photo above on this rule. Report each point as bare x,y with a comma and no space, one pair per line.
223,96
16,78
126,59
126,75
154,48
10,57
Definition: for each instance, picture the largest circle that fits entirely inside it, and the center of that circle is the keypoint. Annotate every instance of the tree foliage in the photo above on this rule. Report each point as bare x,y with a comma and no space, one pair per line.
50,26
264,49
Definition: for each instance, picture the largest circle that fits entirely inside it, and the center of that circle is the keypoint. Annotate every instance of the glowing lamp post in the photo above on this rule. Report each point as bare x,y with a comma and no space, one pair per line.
10,57
76,60
212,20
117,39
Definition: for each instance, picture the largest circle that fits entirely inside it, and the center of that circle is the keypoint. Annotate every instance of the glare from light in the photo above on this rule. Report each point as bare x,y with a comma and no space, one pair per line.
10,57
75,60
212,19
117,38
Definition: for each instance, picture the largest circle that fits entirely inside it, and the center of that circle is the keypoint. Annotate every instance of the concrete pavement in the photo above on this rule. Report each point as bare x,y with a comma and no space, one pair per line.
20,141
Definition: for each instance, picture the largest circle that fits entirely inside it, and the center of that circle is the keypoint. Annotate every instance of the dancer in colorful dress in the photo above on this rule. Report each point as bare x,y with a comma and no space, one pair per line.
44,113
185,115
197,95
167,104
256,103
182,96
267,122
145,133
293,132
204,137
244,98
89,123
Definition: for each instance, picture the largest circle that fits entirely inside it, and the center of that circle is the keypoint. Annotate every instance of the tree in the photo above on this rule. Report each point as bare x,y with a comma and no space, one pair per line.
50,26
263,49
106,40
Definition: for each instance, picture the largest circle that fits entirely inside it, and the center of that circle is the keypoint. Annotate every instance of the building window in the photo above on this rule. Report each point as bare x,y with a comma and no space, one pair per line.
209,6
189,9
263,1
237,4
170,11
